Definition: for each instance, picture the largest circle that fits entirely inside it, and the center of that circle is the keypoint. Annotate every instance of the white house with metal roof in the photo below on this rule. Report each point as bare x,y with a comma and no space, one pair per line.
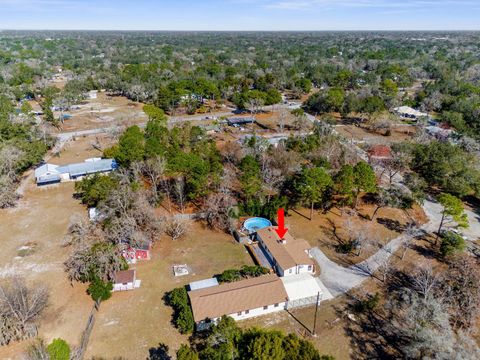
51,174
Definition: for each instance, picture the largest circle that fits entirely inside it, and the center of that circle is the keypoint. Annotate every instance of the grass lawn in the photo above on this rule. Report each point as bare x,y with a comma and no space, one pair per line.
130,323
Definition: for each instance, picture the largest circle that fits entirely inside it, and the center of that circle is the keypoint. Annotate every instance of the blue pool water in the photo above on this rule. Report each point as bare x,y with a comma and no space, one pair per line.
256,223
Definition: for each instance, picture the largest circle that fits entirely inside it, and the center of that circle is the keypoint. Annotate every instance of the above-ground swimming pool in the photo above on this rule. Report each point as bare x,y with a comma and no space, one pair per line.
254,224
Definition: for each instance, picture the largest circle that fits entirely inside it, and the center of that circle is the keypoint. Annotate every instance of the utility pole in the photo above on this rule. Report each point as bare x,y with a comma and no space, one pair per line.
315,317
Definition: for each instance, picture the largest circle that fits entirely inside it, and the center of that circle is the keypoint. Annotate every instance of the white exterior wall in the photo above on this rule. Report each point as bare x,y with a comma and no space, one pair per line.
259,311
299,269
123,287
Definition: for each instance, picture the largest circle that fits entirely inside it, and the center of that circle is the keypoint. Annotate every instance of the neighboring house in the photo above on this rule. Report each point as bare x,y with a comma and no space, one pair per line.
379,153
240,300
240,121
139,252
289,256
407,112
126,280
50,173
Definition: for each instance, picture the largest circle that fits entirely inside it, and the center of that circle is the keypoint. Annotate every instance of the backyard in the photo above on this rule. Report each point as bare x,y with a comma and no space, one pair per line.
143,312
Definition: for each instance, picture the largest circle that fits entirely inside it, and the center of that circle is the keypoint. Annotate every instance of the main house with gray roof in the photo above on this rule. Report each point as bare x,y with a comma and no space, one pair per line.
51,174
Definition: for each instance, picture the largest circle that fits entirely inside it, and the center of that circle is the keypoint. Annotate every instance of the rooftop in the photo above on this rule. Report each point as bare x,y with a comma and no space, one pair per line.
126,276
203,284
287,253
231,298
301,286
409,111
380,151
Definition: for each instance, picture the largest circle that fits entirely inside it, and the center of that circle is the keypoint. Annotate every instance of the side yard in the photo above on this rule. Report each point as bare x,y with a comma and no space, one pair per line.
31,247
142,312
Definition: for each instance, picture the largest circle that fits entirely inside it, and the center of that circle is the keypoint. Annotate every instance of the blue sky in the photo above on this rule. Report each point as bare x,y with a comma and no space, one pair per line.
241,14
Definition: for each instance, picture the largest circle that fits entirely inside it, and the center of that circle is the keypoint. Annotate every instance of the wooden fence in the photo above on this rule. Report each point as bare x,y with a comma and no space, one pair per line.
79,352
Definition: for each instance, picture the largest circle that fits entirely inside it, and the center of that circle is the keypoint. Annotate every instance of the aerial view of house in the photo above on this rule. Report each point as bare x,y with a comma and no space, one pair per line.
240,300
240,180
288,256
51,174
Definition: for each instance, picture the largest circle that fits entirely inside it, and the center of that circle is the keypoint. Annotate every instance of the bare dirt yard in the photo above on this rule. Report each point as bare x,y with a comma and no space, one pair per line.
399,133
328,230
31,247
130,323
104,111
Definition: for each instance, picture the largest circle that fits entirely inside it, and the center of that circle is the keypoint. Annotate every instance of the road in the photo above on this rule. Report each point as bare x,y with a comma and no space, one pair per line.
66,136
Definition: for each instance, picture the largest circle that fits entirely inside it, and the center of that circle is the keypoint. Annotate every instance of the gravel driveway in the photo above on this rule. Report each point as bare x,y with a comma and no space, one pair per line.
338,279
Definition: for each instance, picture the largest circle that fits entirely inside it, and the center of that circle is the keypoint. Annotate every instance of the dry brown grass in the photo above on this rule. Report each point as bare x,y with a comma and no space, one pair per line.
42,217
326,229
330,339
132,322
103,112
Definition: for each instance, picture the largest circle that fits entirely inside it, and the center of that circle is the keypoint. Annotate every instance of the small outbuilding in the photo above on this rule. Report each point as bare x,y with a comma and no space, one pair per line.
139,252
126,280
379,153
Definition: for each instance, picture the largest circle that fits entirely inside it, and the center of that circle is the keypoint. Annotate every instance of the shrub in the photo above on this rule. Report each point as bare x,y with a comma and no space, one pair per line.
245,272
59,350
100,290
186,353
182,313
451,243
368,304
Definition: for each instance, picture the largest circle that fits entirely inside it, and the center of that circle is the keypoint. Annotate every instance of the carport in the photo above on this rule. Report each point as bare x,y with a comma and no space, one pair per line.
303,290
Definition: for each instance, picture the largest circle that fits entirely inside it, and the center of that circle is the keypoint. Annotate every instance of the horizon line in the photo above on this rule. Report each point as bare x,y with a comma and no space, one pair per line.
233,30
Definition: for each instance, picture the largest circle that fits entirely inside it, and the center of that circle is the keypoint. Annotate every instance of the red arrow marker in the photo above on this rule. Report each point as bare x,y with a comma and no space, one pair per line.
281,230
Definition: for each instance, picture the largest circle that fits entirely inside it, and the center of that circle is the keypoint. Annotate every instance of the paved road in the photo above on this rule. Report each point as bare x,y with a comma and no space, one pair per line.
63,137
338,279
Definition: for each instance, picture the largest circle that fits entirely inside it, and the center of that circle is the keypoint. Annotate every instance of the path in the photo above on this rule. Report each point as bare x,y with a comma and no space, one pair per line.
339,279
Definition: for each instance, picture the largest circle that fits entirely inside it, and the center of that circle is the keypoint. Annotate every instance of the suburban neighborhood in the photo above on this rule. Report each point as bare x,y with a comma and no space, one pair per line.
254,195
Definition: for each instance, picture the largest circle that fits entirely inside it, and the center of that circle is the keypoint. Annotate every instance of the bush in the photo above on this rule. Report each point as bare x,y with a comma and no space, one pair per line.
245,272
59,350
186,353
100,290
182,313
94,189
368,304
451,244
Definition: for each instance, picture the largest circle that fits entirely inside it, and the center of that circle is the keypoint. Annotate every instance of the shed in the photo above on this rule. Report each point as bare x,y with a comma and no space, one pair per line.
380,152
126,280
